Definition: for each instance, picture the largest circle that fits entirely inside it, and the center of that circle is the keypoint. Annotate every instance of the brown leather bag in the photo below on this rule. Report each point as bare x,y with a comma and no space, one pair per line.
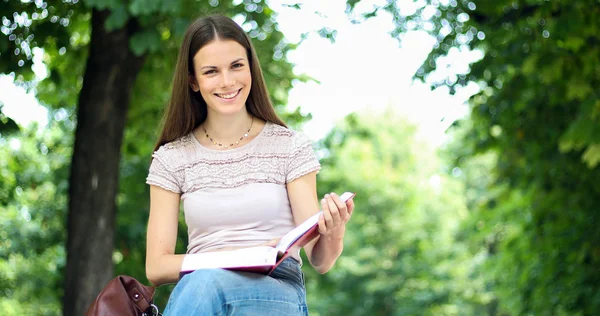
124,296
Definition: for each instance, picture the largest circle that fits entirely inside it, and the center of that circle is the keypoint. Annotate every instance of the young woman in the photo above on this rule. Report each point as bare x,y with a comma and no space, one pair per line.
243,177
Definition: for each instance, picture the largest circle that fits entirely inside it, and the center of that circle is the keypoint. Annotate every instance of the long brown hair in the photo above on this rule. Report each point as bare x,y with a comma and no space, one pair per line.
187,109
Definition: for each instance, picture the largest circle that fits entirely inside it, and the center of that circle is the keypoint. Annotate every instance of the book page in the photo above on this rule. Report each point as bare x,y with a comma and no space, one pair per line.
288,239
244,257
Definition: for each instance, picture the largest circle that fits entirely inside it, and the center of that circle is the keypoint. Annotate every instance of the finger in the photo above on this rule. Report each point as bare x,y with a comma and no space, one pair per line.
333,209
350,205
322,226
342,208
327,214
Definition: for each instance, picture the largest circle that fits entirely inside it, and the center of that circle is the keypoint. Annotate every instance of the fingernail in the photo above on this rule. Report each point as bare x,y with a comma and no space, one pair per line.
326,195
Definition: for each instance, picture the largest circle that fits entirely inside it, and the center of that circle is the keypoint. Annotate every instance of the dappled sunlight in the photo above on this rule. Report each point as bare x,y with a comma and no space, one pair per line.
468,129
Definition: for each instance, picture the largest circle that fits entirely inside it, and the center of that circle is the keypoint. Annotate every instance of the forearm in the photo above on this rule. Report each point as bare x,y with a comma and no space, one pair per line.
325,252
164,269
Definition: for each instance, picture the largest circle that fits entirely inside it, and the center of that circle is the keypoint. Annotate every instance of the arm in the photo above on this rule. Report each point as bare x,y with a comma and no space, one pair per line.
162,265
323,251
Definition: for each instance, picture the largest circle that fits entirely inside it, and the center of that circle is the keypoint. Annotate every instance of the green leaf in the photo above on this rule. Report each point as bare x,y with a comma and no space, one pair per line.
148,40
103,4
7,125
592,155
146,7
117,18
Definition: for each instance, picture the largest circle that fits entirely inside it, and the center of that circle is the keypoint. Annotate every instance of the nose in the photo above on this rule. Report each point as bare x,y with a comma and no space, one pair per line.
228,79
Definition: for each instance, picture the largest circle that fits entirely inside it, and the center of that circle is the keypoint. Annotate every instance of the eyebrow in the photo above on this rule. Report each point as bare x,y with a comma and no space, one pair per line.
213,67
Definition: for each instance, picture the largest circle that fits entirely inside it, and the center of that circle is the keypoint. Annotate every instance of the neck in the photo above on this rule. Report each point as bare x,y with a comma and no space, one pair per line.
227,128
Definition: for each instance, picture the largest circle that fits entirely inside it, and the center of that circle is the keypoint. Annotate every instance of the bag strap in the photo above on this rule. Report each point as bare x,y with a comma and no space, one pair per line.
141,295
139,298
154,311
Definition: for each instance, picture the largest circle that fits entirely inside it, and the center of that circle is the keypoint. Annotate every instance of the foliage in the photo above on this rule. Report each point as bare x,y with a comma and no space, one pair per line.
60,31
33,173
7,125
529,46
400,255
537,114
504,224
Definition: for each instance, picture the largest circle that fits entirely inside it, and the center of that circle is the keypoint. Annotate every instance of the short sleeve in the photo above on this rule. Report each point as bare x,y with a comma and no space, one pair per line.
160,176
302,159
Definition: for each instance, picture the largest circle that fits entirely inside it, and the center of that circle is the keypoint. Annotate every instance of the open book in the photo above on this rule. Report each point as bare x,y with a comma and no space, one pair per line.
260,259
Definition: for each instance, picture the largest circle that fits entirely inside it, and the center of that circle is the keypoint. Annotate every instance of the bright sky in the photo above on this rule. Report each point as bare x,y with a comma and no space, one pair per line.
364,68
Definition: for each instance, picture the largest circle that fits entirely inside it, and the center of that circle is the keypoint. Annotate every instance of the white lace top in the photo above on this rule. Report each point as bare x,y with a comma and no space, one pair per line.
235,197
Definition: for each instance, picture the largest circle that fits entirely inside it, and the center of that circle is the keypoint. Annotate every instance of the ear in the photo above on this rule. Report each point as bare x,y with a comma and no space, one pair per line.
193,83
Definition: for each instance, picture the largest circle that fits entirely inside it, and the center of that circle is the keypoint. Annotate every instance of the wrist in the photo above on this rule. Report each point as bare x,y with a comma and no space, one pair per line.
338,235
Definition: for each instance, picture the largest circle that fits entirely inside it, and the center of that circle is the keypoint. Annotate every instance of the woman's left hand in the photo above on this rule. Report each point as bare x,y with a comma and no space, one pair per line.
335,215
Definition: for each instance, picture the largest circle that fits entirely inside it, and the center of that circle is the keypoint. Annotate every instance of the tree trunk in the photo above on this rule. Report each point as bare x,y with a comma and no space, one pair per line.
109,78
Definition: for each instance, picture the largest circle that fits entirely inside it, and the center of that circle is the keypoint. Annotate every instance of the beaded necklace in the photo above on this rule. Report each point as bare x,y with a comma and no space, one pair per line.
232,144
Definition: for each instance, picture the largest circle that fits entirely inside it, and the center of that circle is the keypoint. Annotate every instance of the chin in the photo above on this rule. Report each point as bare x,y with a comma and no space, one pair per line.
227,109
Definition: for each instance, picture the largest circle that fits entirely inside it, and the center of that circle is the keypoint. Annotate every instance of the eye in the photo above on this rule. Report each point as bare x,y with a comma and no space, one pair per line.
210,72
237,65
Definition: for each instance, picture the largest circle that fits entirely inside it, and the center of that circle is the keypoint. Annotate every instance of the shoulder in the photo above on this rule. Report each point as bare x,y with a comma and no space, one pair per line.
177,153
296,152
276,130
286,136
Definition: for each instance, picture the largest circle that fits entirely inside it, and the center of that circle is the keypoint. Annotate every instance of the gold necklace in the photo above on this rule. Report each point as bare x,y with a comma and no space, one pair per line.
232,144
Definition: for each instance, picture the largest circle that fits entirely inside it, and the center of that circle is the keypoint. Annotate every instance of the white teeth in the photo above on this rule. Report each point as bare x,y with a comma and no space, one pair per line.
228,96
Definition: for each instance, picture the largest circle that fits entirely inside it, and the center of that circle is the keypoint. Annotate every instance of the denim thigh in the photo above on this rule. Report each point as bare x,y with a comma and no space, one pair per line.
224,292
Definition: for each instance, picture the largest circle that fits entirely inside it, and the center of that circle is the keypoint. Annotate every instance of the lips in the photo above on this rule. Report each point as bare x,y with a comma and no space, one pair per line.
228,96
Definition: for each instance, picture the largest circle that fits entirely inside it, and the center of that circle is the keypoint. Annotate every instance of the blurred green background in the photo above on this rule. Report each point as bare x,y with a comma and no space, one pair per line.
500,220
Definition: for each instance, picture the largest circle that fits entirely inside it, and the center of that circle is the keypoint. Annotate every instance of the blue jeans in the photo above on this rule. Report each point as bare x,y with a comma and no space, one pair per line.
223,292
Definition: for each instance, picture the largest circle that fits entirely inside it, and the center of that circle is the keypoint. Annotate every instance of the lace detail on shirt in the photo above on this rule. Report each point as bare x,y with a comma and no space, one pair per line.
277,155
160,176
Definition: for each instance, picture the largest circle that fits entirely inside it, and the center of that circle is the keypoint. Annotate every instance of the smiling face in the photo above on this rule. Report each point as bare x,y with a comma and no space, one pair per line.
222,76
